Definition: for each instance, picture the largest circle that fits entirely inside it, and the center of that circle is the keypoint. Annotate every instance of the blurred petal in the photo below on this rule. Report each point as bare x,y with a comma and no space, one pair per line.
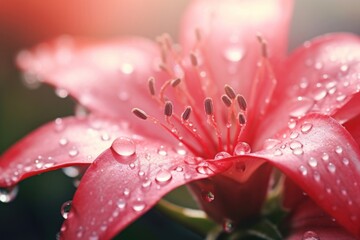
228,46
64,142
353,126
308,221
116,189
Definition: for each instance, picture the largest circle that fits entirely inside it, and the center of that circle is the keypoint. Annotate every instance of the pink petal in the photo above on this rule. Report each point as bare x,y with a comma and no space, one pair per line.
228,47
321,76
109,77
117,189
353,126
308,220
323,159
64,142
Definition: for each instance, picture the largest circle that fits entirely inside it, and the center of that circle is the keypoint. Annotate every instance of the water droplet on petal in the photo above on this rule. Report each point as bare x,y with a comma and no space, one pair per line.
331,167
271,143
242,148
8,194
312,162
301,106
345,161
73,152
221,155
292,123
234,54
295,145
63,141
138,205
71,171
105,137
162,151
208,196
123,147
65,209
316,176
310,235
298,151
306,127
61,93
277,152
294,135
325,157
121,203
338,150
303,170
320,94
163,177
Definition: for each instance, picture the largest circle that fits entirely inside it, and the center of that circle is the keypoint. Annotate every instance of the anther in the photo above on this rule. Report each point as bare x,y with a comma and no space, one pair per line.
175,82
139,113
168,110
263,44
241,118
209,109
194,60
186,114
151,84
230,91
226,100
242,102
198,34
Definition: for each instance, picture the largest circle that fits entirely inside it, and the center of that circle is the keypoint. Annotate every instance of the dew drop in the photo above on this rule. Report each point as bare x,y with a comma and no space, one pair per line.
316,176
121,203
310,235
8,194
325,157
73,152
126,192
306,127
341,97
301,106
71,171
105,137
208,196
180,150
59,125
292,123
123,147
146,184
242,148
234,54
331,167
61,93
339,150
163,177
204,169
345,161
63,142
295,145
298,151
277,152
179,169
138,205
320,94
162,151
303,170
271,143
221,155
312,162
294,135
65,209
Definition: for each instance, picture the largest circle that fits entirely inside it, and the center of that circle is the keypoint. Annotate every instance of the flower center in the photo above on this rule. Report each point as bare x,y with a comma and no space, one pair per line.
207,132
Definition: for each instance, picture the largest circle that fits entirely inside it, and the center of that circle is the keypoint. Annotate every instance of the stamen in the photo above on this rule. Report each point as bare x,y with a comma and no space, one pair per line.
241,119
139,113
175,82
151,84
186,114
263,44
209,108
241,102
230,91
168,110
226,100
198,34
194,60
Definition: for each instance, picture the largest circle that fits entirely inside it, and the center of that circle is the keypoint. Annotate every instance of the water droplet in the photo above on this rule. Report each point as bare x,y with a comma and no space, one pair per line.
271,143
163,177
73,152
121,203
306,127
344,68
312,162
345,161
320,94
126,192
179,169
292,123
204,169
59,125
325,157
61,93
123,147
234,54
295,145
63,141
146,184
162,151
294,135
228,226
338,150
221,155
242,148
277,152
181,150
65,209
208,196
301,106
8,194
341,97
310,235
127,68
316,176
138,205
105,137
298,151
303,170
331,167
71,171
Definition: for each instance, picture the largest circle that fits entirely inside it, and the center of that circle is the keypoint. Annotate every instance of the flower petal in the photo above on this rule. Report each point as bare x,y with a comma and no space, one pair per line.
228,46
64,142
353,126
116,189
321,76
308,221
107,77
323,159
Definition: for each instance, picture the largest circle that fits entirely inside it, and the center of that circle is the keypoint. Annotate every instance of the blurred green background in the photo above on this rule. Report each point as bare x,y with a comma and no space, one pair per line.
35,214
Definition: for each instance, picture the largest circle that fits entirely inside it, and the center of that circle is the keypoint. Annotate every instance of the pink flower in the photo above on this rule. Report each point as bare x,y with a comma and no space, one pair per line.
217,113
